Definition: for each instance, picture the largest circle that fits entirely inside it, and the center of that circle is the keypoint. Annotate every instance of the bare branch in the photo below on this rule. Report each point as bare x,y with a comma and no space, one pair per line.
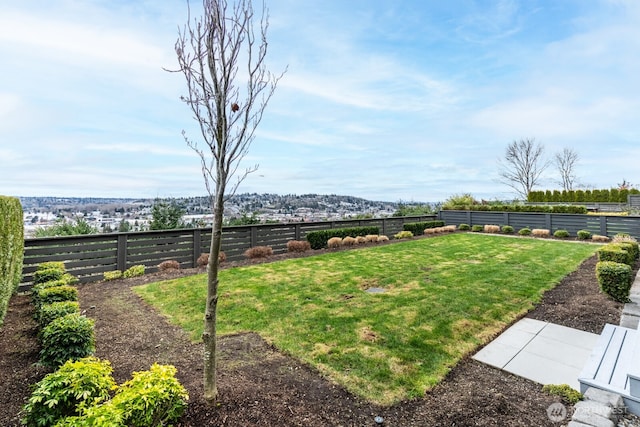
565,162
522,166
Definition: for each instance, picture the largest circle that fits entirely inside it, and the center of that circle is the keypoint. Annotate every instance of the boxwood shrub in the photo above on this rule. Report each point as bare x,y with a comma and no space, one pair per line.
69,337
616,252
584,234
561,234
318,239
615,279
464,227
526,231
507,229
477,228
47,295
417,228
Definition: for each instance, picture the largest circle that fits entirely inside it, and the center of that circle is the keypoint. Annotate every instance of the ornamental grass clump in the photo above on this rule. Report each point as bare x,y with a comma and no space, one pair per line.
334,242
258,252
169,265
489,228
540,232
298,246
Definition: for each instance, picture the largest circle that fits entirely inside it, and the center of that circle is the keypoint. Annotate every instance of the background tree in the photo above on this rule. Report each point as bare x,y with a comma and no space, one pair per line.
64,227
522,166
210,50
166,215
565,162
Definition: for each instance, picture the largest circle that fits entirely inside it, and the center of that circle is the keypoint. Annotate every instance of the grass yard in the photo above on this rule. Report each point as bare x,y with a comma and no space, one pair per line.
444,297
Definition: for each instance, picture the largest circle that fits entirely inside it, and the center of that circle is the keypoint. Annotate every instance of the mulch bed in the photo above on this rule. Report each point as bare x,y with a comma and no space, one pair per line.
259,386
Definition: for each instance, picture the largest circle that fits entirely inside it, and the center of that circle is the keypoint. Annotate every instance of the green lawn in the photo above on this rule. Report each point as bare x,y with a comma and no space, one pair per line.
444,297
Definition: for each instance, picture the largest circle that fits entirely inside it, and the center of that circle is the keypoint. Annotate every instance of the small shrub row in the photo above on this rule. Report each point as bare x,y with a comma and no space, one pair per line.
571,209
437,230
622,249
336,242
319,239
615,279
64,334
418,228
78,394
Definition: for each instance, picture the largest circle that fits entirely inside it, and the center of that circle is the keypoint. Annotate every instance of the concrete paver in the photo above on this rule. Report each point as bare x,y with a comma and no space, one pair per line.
540,351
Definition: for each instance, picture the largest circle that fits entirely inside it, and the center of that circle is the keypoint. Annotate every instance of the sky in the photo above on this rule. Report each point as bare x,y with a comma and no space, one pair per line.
408,100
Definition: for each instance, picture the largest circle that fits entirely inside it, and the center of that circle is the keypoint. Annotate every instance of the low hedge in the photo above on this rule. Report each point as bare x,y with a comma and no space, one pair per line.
318,239
417,228
571,209
615,279
50,312
616,252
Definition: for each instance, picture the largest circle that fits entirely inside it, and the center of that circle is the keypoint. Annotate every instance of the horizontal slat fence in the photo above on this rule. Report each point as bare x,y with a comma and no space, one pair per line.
89,257
596,224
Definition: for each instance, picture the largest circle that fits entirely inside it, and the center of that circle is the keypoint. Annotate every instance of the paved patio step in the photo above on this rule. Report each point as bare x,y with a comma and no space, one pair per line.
614,365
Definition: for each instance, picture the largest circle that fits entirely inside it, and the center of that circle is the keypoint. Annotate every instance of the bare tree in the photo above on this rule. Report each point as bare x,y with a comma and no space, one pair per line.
210,50
523,166
565,161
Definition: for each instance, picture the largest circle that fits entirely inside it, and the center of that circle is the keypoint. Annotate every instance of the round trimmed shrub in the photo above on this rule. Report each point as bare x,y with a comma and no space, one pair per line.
507,229
477,228
464,227
584,234
561,234
525,231
69,337
615,279
50,312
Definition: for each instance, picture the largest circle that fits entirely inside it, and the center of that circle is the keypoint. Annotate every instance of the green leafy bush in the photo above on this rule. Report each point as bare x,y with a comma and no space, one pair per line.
50,312
318,239
66,391
507,229
11,249
616,253
52,264
526,231
564,391
464,227
417,228
584,234
112,275
561,234
629,242
477,228
403,235
47,295
69,337
133,271
151,398
47,275
614,279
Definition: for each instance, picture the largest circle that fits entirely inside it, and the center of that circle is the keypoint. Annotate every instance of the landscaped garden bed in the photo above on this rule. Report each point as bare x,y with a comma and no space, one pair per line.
261,386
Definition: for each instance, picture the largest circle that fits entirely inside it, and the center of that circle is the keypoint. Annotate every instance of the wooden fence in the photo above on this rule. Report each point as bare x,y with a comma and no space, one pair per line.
89,257
596,224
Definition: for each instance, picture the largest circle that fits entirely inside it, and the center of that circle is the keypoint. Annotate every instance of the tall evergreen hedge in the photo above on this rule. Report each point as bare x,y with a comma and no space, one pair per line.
11,249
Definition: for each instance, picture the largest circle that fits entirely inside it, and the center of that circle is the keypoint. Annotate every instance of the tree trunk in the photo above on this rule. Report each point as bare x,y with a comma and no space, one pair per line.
210,314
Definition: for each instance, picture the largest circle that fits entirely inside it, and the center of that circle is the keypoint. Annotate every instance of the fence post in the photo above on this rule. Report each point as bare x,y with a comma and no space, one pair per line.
603,225
121,252
547,221
197,235
297,231
254,236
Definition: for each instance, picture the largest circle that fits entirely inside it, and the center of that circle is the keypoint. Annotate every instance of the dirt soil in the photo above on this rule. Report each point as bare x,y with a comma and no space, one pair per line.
259,386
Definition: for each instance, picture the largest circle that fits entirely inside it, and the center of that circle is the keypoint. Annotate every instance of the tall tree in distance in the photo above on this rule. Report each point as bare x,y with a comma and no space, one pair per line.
222,59
522,166
565,162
